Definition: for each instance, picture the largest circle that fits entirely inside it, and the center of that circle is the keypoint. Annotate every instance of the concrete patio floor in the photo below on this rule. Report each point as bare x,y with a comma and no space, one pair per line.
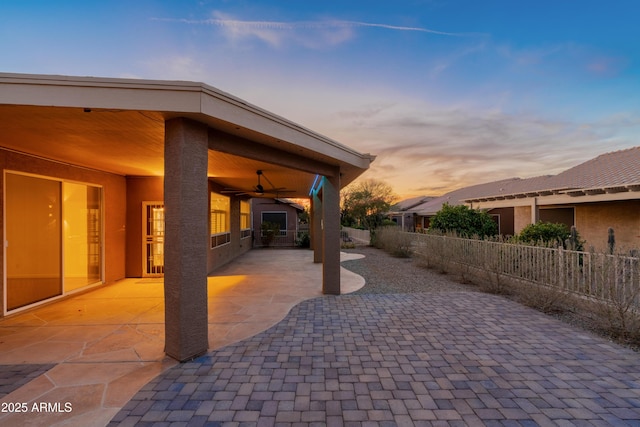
94,351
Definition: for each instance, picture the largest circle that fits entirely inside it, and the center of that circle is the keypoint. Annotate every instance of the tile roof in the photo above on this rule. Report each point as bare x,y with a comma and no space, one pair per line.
407,204
609,172
457,197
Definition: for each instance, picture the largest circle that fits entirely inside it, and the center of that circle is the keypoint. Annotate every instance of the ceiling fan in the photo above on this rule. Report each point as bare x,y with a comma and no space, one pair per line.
259,189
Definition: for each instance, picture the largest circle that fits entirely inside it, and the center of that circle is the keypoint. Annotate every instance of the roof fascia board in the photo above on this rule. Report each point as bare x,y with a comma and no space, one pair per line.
234,110
169,97
558,199
232,144
118,94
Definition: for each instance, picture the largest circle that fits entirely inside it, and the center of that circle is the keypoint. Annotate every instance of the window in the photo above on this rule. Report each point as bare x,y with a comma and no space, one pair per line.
220,224
245,219
562,215
279,218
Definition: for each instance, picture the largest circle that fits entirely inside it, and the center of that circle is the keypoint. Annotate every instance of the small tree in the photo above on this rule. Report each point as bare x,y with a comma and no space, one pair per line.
464,221
364,204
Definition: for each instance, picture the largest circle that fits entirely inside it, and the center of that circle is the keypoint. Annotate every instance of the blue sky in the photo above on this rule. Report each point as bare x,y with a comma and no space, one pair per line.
445,93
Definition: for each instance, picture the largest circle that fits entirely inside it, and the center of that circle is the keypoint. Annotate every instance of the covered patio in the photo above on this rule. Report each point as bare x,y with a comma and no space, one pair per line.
91,154
99,348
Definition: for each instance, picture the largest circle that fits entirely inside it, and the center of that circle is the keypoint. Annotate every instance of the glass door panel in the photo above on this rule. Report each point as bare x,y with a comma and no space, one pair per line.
153,244
81,235
34,243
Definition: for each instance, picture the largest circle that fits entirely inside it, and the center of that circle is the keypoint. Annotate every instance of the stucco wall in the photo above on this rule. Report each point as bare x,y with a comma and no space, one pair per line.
521,218
506,220
139,189
114,196
594,219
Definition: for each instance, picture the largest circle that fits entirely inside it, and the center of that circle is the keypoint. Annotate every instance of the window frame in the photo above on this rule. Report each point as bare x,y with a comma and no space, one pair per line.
283,231
222,234
245,232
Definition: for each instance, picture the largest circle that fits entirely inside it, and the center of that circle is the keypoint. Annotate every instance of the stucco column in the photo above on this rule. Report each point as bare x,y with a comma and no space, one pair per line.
316,227
331,235
186,237
535,213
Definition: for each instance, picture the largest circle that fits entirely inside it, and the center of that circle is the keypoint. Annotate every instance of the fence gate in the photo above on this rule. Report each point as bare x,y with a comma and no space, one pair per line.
153,239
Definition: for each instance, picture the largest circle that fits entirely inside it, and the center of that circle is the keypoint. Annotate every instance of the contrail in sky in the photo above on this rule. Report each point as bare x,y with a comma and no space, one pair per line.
305,25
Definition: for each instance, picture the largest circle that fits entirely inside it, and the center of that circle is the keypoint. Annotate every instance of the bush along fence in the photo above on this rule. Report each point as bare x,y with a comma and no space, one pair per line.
607,285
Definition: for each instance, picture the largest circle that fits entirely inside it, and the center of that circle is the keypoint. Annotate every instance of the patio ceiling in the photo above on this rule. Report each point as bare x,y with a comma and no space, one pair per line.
127,143
108,125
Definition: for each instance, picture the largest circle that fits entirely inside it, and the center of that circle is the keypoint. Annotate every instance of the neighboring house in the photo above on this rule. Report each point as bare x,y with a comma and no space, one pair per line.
104,179
593,196
503,216
276,211
401,213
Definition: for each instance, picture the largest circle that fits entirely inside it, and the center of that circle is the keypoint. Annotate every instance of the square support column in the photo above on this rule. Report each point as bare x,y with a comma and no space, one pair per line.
186,236
316,227
331,235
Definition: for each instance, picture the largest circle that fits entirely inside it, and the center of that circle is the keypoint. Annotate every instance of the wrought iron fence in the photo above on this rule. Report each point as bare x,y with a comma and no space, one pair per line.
283,239
613,278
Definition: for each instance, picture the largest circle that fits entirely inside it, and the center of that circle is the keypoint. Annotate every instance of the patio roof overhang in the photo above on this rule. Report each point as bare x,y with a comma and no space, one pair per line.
118,125
126,126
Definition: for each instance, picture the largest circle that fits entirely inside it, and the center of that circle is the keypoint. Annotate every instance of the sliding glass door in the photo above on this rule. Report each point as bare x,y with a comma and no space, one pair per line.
34,240
53,238
81,235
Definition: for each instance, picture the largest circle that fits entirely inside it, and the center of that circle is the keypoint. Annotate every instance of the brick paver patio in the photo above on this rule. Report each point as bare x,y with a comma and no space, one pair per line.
422,359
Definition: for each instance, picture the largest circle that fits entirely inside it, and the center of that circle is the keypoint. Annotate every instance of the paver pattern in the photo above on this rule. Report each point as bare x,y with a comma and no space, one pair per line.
13,377
459,358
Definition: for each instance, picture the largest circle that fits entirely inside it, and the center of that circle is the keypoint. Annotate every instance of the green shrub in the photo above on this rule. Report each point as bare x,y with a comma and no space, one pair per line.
464,221
550,234
303,240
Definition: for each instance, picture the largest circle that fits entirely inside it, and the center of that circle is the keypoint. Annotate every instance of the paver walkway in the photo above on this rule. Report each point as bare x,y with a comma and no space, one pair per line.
94,351
462,358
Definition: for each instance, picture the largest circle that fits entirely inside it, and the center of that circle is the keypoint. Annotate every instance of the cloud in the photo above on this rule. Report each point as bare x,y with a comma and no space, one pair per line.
429,149
531,56
606,67
312,34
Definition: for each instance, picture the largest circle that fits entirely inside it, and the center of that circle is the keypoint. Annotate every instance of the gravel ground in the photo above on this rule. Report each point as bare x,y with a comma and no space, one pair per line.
385,274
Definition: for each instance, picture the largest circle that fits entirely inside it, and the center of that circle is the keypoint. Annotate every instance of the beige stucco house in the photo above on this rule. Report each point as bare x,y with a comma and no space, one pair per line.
107,178
593,196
